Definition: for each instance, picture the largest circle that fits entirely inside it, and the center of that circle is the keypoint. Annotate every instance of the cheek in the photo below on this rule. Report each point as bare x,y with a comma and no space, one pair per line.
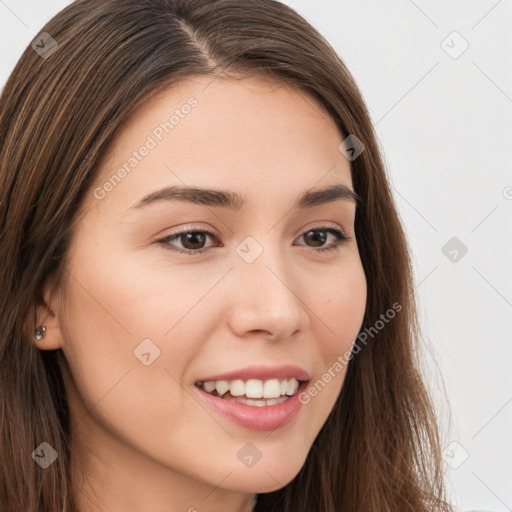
105,324
339,304
119,318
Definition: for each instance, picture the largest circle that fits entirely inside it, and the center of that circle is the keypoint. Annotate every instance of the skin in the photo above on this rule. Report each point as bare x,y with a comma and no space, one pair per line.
143,441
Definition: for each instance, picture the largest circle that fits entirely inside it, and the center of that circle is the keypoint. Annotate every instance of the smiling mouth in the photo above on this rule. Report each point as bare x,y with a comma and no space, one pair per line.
252,392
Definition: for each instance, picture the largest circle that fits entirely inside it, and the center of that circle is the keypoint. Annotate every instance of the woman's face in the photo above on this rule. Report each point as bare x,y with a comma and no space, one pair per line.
141,322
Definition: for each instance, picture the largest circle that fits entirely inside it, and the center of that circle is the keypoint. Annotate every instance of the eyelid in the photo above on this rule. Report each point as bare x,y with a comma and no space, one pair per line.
187,228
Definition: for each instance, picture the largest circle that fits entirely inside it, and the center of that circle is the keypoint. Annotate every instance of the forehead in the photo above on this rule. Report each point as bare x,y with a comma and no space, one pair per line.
205,108
234,133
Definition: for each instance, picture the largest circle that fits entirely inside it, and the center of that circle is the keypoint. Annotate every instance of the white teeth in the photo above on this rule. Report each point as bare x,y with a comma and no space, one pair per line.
271,389
258,403
237,387
254,388
209,386
222,386
293,384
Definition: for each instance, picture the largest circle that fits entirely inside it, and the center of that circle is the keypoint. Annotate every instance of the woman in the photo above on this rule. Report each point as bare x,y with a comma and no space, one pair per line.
207,302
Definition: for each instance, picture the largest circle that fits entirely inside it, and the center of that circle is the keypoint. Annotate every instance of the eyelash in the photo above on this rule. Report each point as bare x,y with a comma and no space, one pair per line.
340,235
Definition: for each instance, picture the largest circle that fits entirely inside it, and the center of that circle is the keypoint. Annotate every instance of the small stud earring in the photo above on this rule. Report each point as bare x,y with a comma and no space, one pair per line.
40,333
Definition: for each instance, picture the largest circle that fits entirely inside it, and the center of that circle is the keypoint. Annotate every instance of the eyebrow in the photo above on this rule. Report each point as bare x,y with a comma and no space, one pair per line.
235,202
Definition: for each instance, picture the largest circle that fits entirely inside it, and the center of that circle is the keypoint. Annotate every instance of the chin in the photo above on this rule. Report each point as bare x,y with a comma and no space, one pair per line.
264,478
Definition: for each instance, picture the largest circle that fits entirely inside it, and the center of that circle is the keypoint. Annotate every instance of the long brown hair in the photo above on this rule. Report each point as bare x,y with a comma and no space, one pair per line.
379,450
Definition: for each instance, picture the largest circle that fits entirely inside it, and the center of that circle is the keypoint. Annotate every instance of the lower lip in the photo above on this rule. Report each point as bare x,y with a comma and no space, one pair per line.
267,417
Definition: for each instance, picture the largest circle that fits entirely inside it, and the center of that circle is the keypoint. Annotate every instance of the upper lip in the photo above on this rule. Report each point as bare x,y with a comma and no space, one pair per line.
262,373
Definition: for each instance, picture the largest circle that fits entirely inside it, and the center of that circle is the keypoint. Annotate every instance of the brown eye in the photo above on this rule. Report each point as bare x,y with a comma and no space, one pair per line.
318,236
192,241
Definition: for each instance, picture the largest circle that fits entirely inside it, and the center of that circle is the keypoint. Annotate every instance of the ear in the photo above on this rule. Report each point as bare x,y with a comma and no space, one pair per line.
47,313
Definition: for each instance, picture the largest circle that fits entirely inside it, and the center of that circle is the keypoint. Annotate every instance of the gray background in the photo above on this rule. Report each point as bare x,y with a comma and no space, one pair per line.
444,120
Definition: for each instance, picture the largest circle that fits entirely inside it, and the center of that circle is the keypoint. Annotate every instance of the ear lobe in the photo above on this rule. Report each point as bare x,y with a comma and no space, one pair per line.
45,315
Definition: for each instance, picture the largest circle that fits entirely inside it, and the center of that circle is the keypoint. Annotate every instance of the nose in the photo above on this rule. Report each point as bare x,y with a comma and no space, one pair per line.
266,297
